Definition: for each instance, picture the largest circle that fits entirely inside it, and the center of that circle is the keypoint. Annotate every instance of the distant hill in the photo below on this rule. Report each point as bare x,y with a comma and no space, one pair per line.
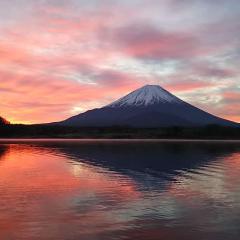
149,106
3,121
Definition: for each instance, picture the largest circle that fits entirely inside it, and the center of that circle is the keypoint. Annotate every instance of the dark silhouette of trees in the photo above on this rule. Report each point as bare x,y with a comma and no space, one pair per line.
54,131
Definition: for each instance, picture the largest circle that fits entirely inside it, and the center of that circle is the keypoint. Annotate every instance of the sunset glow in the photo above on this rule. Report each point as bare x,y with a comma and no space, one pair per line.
62,57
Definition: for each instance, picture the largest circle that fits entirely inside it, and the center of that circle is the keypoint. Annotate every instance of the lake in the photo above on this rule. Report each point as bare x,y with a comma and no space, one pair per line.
102,190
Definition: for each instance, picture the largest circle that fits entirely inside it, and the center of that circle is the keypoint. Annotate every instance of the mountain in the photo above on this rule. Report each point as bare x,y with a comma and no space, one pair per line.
149,106
3,121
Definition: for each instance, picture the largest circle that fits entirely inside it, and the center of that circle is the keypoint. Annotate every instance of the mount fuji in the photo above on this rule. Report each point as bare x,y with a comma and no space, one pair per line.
148,106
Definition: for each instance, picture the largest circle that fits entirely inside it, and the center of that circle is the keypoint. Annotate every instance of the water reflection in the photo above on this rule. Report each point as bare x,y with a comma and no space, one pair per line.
112,190
161,162
3,151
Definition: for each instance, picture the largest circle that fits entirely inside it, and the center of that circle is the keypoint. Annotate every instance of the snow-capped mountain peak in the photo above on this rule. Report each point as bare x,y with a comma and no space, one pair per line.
148,107
144,96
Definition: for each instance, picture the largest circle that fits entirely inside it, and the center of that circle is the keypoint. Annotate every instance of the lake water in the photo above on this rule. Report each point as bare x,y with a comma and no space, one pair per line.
93,190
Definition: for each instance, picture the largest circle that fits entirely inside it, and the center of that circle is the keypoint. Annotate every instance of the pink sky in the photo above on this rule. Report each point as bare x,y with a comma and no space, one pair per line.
62,57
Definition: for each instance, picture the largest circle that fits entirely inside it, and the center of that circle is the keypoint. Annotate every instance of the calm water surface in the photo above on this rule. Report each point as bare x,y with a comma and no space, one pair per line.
91,190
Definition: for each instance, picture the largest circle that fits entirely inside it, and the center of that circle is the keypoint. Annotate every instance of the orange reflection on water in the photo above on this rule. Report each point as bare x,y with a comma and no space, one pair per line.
94,191
38,186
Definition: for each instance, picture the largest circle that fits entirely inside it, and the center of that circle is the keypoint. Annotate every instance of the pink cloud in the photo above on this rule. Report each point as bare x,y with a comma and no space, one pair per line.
62,56
146,42
187,85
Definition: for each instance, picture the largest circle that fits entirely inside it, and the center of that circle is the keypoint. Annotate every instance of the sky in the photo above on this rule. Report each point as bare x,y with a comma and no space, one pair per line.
59,58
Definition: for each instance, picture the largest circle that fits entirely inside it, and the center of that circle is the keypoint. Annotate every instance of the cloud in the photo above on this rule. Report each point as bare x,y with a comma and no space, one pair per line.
231,96
206,70
147,42
60,56
187,85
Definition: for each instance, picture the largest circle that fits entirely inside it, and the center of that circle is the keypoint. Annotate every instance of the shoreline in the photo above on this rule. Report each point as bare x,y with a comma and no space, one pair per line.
84,140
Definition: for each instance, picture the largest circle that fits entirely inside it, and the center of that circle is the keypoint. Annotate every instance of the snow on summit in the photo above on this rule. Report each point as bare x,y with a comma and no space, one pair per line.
144,96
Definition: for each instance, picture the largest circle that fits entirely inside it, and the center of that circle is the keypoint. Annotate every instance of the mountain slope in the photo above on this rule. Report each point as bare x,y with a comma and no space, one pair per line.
149,106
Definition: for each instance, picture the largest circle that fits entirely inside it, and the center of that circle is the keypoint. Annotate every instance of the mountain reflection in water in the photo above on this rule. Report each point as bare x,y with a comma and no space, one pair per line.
119,190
